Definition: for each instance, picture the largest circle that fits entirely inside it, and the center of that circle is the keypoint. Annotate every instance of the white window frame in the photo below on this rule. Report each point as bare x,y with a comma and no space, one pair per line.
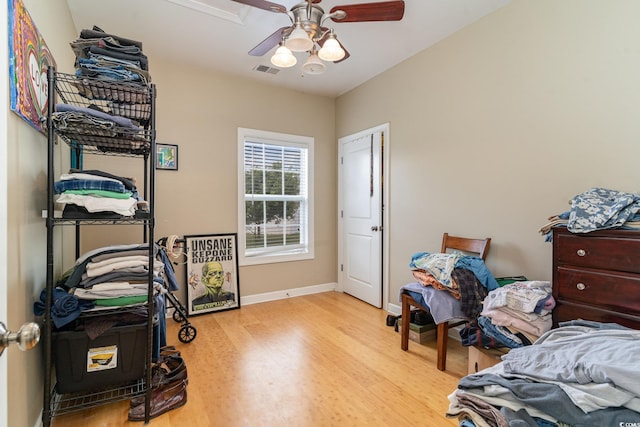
281,139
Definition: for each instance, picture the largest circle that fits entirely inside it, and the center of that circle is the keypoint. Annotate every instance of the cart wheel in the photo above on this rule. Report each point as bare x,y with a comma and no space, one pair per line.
177,316
187,334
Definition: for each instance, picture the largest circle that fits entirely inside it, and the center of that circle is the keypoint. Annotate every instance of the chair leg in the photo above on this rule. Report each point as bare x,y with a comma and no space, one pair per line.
443,337
442,333
406,319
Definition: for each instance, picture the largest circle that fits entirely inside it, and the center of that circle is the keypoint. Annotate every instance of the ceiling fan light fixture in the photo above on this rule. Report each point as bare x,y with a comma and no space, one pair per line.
298,40
331,49
314,65
283,57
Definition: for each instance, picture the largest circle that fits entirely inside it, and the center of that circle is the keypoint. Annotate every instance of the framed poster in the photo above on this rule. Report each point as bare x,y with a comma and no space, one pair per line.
212,273
29,59
167,156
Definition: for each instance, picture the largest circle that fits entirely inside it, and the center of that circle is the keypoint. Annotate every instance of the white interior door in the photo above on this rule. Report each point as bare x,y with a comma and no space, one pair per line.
361,214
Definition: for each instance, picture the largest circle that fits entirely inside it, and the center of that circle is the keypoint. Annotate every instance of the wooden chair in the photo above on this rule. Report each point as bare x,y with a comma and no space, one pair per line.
475,247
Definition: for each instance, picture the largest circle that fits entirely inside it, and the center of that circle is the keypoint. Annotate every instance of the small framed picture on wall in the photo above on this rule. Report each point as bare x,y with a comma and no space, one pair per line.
167,156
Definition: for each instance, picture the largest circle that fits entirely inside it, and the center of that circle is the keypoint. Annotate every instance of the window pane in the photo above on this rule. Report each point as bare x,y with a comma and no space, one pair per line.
275,231
253,166
274,182
254,224
253,182
293,229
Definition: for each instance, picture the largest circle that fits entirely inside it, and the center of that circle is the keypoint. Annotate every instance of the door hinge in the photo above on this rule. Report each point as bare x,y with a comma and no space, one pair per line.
341,267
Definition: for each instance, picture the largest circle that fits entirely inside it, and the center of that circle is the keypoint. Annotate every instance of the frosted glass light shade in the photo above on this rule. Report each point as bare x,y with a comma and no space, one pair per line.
283,58
299,40
314,65
331,50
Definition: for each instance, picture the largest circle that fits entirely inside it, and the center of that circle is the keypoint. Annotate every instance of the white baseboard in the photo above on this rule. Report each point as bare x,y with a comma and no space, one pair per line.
274,296
394,309
288,293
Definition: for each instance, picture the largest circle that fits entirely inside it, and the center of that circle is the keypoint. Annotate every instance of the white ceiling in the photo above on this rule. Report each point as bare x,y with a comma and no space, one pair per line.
217,34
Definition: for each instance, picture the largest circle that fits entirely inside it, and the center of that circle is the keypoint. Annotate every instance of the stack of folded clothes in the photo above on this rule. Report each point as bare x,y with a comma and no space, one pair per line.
94,126
168,386
113,267
113,276
98,194
104,63
110,57
597,209
517,314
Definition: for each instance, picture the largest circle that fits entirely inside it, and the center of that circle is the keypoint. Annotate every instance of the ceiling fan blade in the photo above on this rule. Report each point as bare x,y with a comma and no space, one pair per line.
267,44
264,4
363,12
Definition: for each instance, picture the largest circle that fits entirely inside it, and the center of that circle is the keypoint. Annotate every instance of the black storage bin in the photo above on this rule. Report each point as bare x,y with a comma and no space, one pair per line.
115,357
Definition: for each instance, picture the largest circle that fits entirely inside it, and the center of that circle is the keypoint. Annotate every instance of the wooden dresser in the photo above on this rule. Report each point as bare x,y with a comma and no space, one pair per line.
596,276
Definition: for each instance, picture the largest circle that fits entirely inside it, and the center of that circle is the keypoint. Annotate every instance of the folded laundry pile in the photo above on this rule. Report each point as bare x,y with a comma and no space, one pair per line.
98,194
106,105
110,93
514,315
110,57
597,209
110,277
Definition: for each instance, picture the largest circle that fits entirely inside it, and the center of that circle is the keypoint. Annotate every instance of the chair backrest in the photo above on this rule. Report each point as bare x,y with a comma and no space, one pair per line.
466,245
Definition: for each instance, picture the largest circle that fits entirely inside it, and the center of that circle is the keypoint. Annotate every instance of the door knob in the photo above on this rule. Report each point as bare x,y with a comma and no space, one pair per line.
374,228
27,337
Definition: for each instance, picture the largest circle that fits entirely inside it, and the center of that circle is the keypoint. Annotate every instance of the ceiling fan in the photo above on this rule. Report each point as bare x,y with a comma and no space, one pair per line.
307,32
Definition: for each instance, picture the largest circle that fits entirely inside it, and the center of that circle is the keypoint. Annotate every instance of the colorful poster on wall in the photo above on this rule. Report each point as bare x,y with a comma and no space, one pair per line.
29,58
212,273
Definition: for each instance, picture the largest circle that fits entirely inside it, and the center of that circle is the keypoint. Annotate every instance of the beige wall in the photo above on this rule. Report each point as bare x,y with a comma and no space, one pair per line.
27,167
201,111
497,127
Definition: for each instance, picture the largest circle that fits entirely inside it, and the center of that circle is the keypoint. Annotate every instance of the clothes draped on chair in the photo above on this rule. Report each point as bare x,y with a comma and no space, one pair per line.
452,285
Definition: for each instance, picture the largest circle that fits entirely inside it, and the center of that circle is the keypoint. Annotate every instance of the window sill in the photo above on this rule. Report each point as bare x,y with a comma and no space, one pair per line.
275,258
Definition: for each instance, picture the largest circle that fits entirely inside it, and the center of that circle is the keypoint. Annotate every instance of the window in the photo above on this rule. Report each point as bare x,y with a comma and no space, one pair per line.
275,186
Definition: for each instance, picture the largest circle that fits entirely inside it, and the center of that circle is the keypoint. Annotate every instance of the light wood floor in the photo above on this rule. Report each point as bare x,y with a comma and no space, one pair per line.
319,360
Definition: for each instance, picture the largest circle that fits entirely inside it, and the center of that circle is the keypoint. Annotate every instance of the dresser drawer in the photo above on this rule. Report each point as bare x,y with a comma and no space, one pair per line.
617,252
606,289
568,311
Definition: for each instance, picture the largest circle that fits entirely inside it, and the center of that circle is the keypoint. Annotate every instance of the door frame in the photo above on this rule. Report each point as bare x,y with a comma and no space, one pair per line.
4,141
384,215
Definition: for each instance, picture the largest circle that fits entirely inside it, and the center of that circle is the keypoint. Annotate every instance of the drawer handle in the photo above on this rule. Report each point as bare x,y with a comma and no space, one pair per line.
581,286
581,252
